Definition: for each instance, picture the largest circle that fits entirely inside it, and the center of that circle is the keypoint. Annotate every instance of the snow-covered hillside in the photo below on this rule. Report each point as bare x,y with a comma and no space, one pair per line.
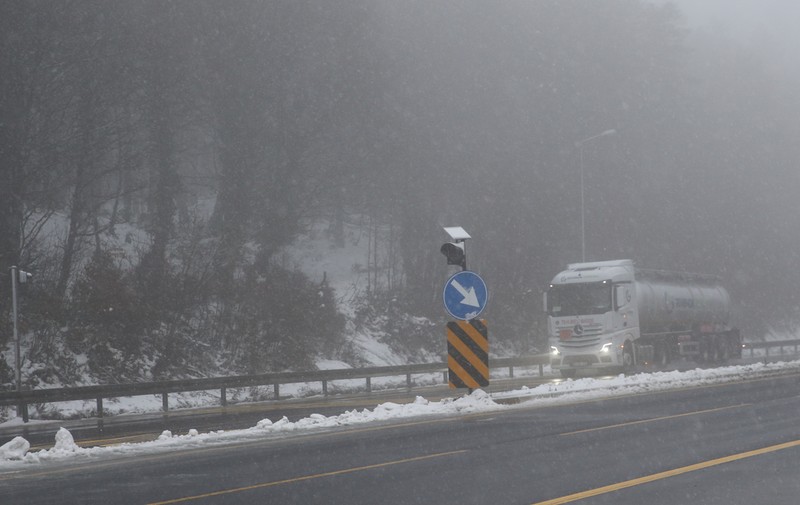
313,253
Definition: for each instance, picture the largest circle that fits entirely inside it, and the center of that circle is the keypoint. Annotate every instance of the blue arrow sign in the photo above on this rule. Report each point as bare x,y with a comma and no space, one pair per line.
465,295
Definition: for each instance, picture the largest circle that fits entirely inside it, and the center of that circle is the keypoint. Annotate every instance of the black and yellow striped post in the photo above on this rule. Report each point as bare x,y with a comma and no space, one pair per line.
468,354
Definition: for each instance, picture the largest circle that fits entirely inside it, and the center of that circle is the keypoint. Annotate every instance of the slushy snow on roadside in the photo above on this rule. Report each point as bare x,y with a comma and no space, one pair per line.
17,451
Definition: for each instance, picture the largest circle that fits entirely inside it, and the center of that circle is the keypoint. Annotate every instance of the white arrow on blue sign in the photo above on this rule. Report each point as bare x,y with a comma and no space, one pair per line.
465,295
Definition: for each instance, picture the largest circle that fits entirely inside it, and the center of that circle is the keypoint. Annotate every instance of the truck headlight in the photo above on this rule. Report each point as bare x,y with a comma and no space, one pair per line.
554,350
606,348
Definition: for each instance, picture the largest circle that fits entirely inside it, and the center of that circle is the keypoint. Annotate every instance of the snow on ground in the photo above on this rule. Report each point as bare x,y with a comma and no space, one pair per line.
375,352
16,454
344,269
316,256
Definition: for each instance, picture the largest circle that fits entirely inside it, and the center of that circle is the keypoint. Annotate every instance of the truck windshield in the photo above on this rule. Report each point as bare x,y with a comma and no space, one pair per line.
579,299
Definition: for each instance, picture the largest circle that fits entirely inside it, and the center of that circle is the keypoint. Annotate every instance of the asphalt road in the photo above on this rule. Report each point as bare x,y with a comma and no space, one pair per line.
732,444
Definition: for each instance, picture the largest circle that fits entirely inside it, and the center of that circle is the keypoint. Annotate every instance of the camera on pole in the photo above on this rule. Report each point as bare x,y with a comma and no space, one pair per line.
456,252
24,276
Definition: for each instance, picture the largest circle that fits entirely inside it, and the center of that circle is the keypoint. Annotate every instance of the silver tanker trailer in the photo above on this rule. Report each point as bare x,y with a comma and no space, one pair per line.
612,315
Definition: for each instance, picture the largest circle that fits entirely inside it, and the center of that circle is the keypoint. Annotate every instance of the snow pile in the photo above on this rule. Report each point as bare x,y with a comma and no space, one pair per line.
16,452
578,389
16,449
65,444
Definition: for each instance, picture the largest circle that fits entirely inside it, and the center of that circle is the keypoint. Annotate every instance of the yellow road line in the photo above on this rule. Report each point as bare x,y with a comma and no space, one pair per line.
103,442
642,421
307,477
669,473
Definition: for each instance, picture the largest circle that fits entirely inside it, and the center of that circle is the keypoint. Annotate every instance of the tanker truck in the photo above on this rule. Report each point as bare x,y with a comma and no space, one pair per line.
611,316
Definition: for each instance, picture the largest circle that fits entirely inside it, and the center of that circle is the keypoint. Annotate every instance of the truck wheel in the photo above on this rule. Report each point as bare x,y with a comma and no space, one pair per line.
736,348
568,374
734,343
723,350
627,358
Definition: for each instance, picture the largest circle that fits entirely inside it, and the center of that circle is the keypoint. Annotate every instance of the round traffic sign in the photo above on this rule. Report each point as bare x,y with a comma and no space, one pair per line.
465,295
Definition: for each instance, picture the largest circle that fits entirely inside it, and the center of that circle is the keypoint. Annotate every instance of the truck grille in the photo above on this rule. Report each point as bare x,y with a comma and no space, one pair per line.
580,336
580,343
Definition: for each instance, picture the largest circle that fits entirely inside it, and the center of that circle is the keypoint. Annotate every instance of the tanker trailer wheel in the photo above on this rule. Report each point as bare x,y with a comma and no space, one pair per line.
568,374
706,353
627,358
662,354
723,350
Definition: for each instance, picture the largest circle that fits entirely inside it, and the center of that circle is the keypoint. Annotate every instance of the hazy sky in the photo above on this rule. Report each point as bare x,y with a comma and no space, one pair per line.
766,25
745,18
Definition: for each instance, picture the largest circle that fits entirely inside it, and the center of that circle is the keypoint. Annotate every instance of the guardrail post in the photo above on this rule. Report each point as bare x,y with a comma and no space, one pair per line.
511,371
369,384
444,377
164,402
277,389
541,370
408,381
100,413
23,411
325,388
223,396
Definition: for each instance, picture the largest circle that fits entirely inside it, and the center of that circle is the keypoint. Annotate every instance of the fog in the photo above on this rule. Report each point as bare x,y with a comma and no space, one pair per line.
767,27
393,118
743,18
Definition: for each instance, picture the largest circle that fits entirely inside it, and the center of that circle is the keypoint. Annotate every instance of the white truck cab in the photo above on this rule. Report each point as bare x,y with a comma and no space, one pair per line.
592,316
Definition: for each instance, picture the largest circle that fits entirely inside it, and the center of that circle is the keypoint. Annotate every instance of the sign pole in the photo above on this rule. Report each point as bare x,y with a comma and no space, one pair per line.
17,359
465,296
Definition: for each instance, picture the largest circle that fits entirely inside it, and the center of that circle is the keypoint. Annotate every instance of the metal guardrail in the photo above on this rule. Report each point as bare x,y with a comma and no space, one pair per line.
98,393
780,344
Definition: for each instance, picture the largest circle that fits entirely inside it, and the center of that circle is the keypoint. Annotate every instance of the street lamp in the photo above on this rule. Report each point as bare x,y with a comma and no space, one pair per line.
579,144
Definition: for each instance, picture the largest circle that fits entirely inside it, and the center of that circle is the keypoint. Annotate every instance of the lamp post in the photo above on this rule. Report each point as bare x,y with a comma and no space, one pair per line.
18,374
579,144
18,276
